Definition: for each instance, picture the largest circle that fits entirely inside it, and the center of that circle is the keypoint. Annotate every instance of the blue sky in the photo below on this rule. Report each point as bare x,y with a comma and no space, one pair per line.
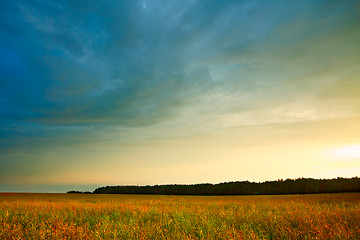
153,92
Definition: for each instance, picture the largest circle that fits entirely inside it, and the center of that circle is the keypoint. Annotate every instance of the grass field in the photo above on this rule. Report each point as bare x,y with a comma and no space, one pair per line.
87,216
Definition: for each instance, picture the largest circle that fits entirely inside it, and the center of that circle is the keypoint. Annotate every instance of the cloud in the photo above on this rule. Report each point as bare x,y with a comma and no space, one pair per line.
346,86
82,72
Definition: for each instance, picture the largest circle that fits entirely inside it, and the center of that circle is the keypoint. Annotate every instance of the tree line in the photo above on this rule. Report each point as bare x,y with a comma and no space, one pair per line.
288,186
75,191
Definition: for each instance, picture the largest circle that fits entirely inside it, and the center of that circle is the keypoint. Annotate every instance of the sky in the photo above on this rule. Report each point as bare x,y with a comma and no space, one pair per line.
96,93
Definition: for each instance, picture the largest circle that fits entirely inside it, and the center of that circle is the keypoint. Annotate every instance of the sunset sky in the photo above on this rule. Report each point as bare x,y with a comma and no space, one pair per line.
96,93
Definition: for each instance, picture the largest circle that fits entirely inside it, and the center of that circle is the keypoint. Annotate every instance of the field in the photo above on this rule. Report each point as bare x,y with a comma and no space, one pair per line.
91,216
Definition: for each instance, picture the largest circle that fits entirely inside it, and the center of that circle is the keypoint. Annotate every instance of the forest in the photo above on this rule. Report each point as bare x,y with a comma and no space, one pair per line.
288,186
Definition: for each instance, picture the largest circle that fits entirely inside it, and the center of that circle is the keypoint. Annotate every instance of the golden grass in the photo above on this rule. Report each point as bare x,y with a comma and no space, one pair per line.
86,216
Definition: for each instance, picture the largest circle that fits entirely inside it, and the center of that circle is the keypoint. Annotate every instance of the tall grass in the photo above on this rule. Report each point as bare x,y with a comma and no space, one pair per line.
84,216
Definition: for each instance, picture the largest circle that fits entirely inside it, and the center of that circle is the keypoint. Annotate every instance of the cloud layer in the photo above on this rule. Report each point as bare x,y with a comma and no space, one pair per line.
136,63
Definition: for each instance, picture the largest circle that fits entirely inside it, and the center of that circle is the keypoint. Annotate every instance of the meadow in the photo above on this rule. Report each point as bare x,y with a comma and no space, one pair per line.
101,216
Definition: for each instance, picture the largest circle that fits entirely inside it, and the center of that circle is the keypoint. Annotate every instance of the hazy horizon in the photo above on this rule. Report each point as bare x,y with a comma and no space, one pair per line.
8,188
163,92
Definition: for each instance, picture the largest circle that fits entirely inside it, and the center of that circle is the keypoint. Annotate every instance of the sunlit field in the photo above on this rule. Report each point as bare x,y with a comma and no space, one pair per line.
91,216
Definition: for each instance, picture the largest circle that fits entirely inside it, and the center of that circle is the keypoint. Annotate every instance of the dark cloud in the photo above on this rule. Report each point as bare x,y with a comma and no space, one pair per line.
81,63
136,63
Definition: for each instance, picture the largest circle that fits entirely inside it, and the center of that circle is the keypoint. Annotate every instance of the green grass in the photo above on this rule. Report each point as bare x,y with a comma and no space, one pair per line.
86,216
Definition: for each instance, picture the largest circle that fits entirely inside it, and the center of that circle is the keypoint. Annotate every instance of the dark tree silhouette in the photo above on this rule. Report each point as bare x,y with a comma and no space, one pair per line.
288,186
